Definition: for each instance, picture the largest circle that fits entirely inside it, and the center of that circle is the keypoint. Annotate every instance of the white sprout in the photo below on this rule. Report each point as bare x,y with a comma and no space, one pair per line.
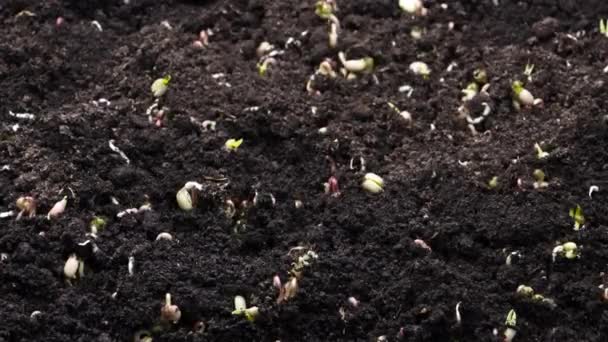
117,150
97,25
26,116
592,189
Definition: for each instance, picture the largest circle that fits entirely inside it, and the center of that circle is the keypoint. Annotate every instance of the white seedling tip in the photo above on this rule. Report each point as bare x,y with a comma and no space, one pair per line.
420,68
6,214
131,265
592,189
26,116
240,305
117,150
458,316
35,313
58,208
97,25
164,236
71,267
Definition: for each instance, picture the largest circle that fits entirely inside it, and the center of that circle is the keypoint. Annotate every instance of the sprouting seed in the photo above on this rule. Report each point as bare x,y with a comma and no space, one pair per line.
159,86
164,236
58,208
361,65
577,215
326,69
169,313
540,154
373,183
233,144
27,206
241,309
592,189
187,196
263,49
511,323
71,266
480,76
414,7
131,265
525,291
420,68
263,65
521,95
539,176
493,183
604,27
97,224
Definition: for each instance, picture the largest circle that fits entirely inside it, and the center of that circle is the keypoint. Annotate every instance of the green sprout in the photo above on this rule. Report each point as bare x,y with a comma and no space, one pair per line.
241,309
323,9
569,250
511,320
539,176
576,214
604,27
525,291
372,183
233,144
540,154
521,96
263,65
159,86
480,76
470,91
97,224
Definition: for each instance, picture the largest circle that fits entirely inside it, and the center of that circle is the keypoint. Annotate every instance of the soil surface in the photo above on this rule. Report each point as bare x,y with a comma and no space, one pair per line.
436,171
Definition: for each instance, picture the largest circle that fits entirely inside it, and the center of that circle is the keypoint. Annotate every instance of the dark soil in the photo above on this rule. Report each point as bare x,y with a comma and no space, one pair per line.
435,178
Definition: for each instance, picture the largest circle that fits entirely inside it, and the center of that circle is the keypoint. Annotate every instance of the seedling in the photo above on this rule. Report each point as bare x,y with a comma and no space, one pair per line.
540,154
528,70
97,224
355,66
405,115
326,69
263,49
73,268
510,323
420,243
187,196
241,309
576,214
301,262
414,7
539,176
58,208
604,27
470,91
568,250
372,183
164,236
480,76
333,35
287,291
27,206
521,96
493,183
525,291
263,65
331,187
159,86
325,10
169,313
592,189
142,336
420,68
233,144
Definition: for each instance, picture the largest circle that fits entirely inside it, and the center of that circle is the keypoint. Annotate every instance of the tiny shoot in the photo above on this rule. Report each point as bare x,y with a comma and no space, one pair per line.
540,154
159,86
577,216
241,309
233,144
604,27
510,323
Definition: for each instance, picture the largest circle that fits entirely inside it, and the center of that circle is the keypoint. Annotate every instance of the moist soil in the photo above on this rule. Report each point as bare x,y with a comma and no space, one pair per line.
435,170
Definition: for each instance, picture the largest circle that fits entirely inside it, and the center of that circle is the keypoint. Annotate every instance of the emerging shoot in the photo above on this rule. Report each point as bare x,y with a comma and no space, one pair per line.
414,7
576,214
604,27
169,313
539,176
362,65
540,154
480,76
521,96
510,323
233,144
187,196
97,224
58,208
493,183
241,309
159,86
263,65
27,206
420,68
568,250
373,183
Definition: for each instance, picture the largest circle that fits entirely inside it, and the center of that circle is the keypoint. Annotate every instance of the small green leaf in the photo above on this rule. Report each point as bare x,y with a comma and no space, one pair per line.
511,319
577,215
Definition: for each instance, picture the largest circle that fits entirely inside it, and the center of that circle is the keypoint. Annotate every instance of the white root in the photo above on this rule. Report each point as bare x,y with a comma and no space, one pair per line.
117,150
